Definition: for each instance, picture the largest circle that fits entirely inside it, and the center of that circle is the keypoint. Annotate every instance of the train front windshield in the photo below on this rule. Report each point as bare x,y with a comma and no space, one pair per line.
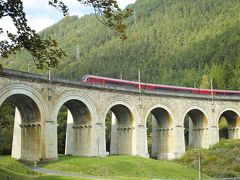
84,78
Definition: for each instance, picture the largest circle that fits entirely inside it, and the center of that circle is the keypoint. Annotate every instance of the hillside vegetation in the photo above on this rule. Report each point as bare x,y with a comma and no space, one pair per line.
172,42
220,160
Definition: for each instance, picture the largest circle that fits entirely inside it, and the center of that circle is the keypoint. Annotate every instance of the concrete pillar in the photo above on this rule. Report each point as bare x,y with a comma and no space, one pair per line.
79,138
171,144
154,137
237,133
205,138
165,144
50,140
82,138
99,145
124,138
114,132
134,142
26,139
17,140
214,135
190,133
179,141
141,141
234,133
162,143
69,134
31,143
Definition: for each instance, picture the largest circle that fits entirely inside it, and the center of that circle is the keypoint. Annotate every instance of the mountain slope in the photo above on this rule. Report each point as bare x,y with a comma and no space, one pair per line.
172,42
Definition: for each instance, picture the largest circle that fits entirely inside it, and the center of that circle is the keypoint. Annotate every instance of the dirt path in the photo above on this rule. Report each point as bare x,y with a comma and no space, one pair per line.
60,173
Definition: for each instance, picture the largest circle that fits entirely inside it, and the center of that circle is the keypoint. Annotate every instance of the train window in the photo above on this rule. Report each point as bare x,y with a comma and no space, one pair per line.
120,84
84,79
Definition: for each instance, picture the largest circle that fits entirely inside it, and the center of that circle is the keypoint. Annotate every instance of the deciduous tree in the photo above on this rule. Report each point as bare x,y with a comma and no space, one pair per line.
46,52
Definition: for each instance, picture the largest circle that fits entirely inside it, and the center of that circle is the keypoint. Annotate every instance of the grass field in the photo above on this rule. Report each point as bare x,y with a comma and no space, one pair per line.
220,160
122,166
112,167
17,171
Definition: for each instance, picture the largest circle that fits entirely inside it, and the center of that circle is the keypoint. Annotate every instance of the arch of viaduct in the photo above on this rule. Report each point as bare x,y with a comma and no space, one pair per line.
38,102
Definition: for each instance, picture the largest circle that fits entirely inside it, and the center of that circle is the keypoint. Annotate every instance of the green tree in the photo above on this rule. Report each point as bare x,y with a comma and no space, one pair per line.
6,128
61,130
237,74
46,52
217,73
205,83
228,74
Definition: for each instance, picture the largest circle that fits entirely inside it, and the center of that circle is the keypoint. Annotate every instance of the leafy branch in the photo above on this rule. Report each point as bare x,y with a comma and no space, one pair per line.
45,52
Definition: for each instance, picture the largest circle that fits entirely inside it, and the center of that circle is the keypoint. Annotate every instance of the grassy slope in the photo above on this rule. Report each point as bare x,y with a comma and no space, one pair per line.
221,160
14,169
121,166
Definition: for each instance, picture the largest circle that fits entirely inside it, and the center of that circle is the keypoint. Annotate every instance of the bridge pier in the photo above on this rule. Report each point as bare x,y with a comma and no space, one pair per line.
49,150
179,141
79,138
213,134
141,141
17,134
26,144
234,133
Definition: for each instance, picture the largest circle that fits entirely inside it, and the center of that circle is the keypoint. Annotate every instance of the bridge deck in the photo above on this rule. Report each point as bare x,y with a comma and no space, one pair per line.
13,74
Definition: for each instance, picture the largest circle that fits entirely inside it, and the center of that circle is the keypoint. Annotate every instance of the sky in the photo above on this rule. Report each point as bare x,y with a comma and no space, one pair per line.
40,15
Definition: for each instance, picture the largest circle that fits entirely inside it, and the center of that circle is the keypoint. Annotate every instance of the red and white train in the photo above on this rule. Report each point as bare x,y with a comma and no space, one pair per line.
154,87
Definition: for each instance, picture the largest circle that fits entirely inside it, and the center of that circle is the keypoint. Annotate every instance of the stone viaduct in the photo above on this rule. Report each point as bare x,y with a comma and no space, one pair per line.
38,102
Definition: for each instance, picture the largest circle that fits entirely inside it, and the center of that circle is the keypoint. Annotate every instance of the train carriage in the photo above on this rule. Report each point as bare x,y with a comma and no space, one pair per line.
154,87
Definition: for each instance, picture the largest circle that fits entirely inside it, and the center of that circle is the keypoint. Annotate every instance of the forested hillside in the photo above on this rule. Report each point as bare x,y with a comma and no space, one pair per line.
172,42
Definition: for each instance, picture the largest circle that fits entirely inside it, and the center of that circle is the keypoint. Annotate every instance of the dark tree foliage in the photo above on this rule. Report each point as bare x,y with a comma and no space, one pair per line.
149,133
46,52
61,130
186,131
110,13
108,125
6,128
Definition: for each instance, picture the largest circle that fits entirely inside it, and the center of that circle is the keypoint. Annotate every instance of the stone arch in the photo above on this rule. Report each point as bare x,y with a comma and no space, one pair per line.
82,100
29,117
162,131
157,105
123,123
124,102
197,120
202,109
82,116
27,91
232,118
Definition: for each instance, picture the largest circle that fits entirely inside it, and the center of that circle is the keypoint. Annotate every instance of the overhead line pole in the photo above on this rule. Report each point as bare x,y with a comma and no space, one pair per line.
199,165
212,95
139,88
134,16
